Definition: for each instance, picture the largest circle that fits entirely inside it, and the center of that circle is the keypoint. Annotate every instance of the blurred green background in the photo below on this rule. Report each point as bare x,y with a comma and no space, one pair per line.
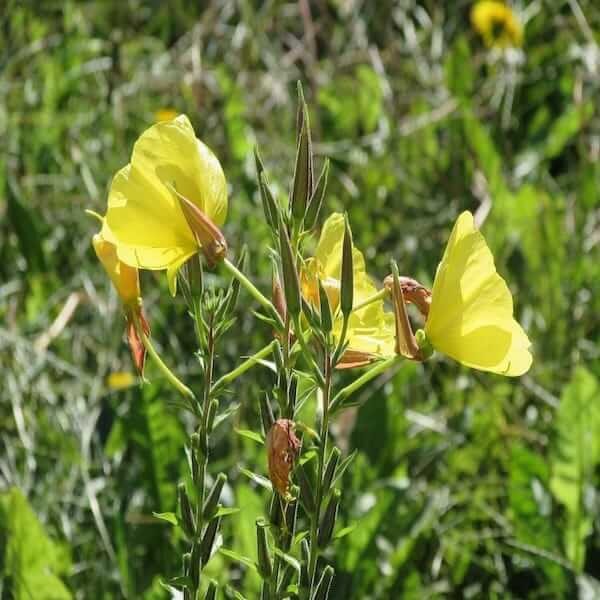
465,485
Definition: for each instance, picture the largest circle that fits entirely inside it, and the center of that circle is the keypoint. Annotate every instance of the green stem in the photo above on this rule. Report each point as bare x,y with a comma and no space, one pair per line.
380,295
245,366
169,375
315,517
373,372
253,291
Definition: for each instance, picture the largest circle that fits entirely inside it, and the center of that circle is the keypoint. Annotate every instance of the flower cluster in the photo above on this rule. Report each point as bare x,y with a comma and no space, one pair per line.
166,209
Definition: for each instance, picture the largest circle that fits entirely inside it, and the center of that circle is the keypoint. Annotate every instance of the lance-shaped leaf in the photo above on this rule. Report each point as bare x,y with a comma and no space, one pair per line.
291,283
316,200
328,521
185,508
347,283
303,175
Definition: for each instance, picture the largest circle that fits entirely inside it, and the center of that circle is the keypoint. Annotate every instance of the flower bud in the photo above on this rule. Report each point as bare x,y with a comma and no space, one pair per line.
328,521
265,566
347,284
303,173
134,339
208,540
326,320
266,413
209,237
291,513
283,448
330,468
316,201
291,283
212,500
307,496
278,297
305,556
185,508
412,291
406,344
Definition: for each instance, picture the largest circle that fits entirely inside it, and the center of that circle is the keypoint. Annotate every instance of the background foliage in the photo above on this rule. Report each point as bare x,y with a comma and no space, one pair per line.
463,484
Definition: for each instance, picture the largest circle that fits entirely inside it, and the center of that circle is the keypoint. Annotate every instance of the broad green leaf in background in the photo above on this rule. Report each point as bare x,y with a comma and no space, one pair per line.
32,563
575,455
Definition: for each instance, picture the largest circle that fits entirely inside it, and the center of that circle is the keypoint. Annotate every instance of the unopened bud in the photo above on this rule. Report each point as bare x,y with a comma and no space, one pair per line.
406,344
283,448
291,512
291,283
316,201
278,297
347,284
185,508
266,413
307,496
332,463
355,358
303,172
208,540
212,500
134,336
326,320
209,237
328,521
412,291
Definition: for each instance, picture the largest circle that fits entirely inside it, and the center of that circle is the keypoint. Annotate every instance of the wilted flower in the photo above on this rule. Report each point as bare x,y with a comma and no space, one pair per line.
497,23
127,283
469,312
168,202
370,332
283,448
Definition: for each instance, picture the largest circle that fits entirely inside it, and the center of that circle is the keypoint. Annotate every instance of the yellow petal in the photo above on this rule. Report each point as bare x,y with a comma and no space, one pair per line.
371,329
471,314
144,216
124,278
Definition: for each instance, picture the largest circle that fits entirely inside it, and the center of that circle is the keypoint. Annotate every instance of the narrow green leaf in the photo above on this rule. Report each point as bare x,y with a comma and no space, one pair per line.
251,435
244,560
347,284
258,479
167,516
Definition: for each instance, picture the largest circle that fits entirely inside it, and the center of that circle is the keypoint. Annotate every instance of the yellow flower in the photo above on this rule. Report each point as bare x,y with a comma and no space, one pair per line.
168,201
125,278
165,114
497,23
120,380
370,329
471,314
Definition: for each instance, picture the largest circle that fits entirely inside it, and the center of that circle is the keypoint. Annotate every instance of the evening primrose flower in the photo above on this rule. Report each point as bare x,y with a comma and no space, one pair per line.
497,24
168,202
469,311
127,283
370,332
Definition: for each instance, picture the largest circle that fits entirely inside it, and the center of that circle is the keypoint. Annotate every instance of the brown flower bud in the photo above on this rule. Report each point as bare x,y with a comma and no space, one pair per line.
412,291
283,448
355,358
136,344
209,237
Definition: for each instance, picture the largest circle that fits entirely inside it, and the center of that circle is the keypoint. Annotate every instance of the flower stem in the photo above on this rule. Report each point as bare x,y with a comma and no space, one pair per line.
245,366
315,517
380,295
373,372
169,375
253,291
307,353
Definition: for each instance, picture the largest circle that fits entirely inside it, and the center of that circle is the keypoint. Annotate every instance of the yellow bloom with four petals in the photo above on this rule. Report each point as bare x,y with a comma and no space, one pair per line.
145,219
370,332
471,314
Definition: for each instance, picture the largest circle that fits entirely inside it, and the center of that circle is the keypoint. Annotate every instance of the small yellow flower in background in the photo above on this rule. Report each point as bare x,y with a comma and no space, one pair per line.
120,380
168,202
165,114
471,313
497,24
370,332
